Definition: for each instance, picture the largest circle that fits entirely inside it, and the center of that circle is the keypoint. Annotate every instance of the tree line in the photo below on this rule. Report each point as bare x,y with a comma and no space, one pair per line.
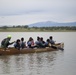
42,28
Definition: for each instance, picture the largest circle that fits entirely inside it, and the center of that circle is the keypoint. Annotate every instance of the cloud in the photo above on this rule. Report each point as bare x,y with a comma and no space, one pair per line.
28,11
17,7
13,7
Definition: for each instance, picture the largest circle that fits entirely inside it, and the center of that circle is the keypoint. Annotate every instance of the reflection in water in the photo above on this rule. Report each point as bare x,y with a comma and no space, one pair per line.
4,65
29,64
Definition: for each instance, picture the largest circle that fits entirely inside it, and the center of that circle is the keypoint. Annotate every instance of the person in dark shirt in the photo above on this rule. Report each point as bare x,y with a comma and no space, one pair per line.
47,43
51,40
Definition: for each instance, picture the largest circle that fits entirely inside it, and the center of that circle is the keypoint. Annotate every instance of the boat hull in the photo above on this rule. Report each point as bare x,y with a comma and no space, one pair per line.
13,51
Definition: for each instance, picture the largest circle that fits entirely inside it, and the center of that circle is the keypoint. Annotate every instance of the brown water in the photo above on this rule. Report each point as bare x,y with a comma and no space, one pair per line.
47,63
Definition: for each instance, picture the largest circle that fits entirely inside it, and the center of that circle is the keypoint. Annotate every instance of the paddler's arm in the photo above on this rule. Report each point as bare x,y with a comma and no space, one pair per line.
11,42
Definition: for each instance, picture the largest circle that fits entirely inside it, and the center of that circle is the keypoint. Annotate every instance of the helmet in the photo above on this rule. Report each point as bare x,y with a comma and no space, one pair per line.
9,36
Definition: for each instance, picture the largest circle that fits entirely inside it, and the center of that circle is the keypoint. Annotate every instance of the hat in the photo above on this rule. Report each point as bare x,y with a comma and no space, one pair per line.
9,36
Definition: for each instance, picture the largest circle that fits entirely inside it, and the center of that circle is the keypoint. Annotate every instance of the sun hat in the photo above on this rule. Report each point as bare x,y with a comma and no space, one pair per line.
9,36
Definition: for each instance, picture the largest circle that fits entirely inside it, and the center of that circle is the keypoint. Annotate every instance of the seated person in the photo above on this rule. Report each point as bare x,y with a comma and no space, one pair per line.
42,40
22,43
30,43
17,44
40,43
51,40
47,43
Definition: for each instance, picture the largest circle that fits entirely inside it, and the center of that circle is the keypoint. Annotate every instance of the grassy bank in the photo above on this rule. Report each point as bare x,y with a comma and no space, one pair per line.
34,30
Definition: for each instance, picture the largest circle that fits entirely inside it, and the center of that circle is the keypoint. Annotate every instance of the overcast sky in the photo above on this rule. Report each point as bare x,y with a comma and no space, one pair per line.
23,12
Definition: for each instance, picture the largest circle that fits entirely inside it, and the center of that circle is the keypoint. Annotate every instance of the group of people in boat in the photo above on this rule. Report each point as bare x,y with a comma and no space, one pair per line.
20,43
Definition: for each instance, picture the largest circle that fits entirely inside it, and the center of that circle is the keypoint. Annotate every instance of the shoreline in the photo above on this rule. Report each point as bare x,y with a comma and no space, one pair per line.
35,30
38,31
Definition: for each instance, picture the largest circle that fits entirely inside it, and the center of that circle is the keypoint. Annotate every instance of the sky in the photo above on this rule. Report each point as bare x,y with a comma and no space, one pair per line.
25,12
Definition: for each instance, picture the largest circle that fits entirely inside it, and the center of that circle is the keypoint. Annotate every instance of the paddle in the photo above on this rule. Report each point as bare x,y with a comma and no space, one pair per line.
55,47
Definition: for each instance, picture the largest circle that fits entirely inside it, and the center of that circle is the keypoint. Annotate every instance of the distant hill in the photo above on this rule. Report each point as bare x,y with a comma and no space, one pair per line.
50,23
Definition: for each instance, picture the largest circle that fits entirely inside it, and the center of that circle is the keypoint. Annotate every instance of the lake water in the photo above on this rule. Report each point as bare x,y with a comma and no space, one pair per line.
47,63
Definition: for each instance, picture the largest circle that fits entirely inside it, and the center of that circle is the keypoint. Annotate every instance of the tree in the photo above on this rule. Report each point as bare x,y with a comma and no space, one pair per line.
26,26
4,27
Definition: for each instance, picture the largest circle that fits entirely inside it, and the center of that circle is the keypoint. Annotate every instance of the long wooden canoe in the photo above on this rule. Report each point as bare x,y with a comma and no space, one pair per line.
12,51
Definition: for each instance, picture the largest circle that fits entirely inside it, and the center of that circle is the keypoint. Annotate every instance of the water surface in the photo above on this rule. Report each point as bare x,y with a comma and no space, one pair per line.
47,63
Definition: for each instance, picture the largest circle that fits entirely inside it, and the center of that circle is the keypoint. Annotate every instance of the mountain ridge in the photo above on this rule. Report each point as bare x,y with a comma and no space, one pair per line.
51,23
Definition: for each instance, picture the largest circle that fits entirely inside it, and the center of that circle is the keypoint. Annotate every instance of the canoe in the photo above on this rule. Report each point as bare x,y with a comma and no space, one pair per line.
13,51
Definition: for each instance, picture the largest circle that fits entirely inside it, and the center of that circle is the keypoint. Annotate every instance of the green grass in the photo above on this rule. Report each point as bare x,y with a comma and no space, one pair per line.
33,30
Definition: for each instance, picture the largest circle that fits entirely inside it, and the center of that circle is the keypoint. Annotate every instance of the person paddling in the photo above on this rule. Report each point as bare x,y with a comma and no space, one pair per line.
5,42
47,43
51,40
